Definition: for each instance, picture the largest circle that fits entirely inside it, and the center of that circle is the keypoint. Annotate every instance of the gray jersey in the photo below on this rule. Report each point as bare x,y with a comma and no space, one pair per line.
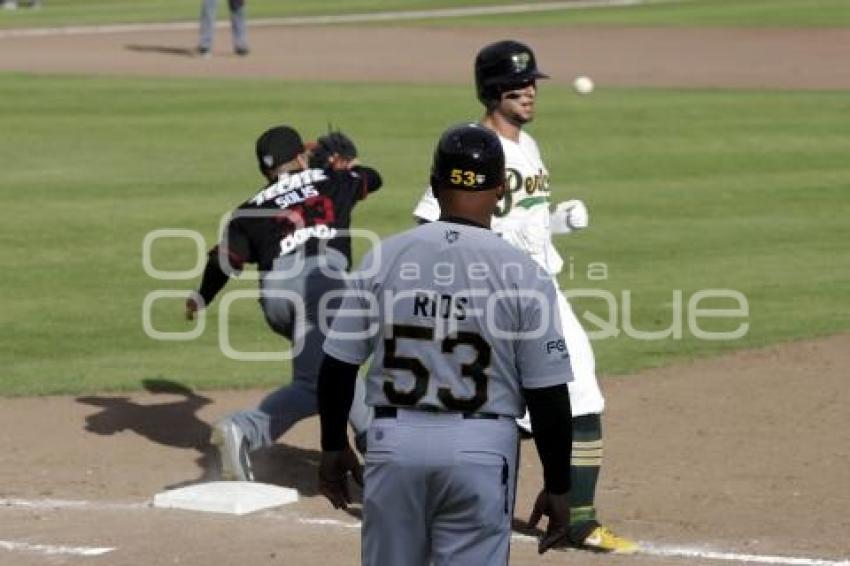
457,319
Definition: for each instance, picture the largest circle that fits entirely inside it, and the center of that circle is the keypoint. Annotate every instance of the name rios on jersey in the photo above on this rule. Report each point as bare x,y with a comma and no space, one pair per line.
433,305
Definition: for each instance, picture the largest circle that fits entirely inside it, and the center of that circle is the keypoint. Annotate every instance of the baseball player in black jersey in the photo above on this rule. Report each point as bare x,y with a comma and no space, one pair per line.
296,230
454,361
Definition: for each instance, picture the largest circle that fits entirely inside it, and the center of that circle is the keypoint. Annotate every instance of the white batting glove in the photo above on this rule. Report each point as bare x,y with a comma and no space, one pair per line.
569,216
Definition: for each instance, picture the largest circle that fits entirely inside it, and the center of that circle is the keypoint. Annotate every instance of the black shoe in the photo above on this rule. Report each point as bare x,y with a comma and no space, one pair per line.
242,51
204,52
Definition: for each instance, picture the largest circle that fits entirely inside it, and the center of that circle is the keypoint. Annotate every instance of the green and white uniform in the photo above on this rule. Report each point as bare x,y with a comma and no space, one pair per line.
523,220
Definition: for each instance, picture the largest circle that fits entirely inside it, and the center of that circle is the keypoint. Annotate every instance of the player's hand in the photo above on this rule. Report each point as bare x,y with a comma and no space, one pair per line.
569,216
194,303
334,468
557,509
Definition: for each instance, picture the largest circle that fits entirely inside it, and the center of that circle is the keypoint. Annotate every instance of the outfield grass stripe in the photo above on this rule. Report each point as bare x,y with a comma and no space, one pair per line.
374,17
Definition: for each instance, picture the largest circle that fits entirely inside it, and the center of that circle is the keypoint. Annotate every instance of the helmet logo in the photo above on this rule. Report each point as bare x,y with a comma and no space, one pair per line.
452,236
520,61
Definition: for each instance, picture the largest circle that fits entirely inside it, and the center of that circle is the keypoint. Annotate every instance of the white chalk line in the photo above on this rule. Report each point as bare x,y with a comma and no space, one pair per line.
685,552
647,548
329,523
336,19
53,550
46,504
57,504
654,549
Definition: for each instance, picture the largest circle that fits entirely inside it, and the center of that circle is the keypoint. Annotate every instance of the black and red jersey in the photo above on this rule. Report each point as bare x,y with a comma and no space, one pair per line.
301,212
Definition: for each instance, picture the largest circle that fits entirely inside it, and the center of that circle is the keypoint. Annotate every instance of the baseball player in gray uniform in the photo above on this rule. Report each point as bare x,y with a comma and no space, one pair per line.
237,27
464,333
506,75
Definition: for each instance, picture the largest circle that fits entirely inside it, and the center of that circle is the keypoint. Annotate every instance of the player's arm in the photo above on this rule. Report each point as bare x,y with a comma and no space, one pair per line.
369,179
551,421
335,392
544,367
568,217
346,348
223,261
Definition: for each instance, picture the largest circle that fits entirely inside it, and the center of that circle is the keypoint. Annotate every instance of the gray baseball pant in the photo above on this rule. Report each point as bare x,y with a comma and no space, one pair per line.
439,489
287,405
237,24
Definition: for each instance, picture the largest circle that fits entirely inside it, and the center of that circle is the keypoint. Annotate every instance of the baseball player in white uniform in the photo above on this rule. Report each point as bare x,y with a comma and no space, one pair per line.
462,332
506,75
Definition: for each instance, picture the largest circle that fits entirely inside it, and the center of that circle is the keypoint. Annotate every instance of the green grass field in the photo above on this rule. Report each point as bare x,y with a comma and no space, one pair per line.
699,13
79,12
687,190
759,13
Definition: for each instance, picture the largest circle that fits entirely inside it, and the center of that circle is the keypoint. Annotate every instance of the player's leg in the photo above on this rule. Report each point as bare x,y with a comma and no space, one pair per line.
281,409
474,498
395,498
205,43
238,434
287,405
237,27
587,405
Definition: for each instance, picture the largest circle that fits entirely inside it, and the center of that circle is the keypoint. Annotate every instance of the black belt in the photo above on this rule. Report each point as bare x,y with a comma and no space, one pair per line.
384,412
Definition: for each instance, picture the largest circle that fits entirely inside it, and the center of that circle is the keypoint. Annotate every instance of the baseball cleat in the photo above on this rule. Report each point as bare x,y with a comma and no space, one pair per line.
601,539
232,448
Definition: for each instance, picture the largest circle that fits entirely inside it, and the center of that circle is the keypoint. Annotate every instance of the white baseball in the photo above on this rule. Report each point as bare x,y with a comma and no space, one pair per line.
583,85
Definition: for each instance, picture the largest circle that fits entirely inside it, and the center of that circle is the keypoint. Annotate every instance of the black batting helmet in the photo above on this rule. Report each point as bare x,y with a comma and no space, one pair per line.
502,66
468,157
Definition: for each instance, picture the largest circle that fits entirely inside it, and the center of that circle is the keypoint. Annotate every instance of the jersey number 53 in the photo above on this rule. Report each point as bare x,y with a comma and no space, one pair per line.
421,374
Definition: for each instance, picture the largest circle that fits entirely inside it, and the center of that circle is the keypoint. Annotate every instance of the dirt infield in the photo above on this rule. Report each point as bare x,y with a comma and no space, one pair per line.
744,58
746,455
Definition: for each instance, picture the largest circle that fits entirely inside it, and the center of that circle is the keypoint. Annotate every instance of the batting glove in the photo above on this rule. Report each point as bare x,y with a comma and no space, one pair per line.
569,216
